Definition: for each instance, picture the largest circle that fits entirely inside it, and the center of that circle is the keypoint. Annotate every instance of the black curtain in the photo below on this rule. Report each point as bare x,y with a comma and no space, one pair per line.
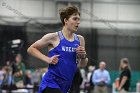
7,34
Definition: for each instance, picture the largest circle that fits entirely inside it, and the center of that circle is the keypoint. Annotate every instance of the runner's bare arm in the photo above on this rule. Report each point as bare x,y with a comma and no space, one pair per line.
82,52
46,40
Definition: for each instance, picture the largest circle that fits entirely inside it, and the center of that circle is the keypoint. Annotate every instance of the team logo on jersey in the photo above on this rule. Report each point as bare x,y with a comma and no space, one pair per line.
68,49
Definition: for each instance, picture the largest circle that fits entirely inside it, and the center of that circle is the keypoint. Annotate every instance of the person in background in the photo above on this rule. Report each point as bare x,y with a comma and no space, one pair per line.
28,78
89,84
77,81
2,72
83,74
36,77
18,70
125,76
8,77
101,79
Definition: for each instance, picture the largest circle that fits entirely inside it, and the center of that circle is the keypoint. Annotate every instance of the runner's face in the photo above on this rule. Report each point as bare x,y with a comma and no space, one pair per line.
73,22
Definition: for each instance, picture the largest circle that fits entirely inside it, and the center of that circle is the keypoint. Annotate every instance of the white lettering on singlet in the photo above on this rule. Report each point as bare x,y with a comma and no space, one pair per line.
68,49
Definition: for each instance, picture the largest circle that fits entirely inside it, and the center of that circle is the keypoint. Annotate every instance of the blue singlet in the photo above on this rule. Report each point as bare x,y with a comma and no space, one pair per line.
61,74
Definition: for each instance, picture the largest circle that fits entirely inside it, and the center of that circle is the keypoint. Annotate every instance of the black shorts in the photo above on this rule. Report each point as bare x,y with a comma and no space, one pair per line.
52,90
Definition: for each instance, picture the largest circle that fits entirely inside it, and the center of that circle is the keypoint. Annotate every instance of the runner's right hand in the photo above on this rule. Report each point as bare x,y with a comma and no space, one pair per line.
54,59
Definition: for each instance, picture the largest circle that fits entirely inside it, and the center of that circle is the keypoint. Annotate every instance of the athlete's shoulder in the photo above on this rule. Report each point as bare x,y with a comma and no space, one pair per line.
54,34
82,40
50,35
80,37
